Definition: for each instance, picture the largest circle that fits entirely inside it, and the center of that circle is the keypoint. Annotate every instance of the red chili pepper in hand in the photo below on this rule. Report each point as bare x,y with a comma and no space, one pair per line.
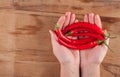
80,47
91,35
73,41
84,25
78,30
99,37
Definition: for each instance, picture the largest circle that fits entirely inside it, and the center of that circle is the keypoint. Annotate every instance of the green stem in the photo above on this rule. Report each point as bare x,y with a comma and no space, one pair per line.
104,42
107,46
68,33
56,27
107,34
100,42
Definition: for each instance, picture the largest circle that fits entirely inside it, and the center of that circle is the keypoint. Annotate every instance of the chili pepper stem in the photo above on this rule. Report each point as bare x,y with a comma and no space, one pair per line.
111,36
107,34
104,42
68,33
91,39
100,42
56,27
107,46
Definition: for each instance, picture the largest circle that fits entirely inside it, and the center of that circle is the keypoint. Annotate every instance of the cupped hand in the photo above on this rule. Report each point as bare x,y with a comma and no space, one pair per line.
94,55
63,54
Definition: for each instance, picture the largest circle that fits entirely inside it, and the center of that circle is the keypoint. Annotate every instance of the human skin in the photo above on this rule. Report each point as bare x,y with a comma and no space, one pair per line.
92,58
69,59
73,61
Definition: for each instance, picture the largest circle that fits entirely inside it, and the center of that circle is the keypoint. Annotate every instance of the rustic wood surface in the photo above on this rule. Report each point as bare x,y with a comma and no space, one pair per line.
25,48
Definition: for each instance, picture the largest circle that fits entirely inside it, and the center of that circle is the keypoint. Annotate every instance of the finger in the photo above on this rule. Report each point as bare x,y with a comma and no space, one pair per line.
72,20
98,21
71,37
61,21
91,18
76,20
53,38
86,18
67,19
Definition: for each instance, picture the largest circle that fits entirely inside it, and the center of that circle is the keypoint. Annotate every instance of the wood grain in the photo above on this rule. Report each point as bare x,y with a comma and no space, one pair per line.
25,47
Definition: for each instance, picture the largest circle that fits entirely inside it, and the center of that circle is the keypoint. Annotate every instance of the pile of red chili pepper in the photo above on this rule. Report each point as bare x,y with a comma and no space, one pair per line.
85,35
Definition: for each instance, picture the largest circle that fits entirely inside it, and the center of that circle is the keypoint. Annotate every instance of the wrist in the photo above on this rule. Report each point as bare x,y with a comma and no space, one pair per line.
70,64
69,70
74,67
91,70
88,65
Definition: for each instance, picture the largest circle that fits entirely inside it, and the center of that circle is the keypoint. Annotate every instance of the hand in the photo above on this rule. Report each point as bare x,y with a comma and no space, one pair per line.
92,58
96,54
63,54
68,58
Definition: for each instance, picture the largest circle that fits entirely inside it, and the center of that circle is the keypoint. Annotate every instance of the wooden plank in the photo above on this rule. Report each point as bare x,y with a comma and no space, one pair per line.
7,63
31,32
34,55
7,24
31,38
79,7
29,54
113,69
28,47
36,69
25,47
6,4
7,44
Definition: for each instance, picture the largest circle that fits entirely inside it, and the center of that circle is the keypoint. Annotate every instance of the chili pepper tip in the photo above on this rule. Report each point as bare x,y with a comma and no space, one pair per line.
100,42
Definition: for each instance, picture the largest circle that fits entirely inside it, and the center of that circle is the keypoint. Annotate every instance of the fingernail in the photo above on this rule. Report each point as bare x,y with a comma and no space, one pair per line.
76,20
97,15
69,13
73,15
92,13
50,31
66,13
86,16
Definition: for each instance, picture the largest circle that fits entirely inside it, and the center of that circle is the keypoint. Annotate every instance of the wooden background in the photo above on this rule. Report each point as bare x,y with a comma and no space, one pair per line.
25,48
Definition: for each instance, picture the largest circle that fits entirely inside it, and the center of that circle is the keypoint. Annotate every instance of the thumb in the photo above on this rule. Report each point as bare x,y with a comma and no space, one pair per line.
53,37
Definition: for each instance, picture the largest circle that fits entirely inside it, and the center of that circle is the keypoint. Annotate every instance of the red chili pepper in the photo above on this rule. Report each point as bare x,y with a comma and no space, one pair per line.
60,35
91,35
73,41
80,47
79,30
84,25
99,37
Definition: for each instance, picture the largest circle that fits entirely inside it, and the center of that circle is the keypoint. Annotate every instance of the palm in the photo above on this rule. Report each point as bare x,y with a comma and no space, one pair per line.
63,54
96,54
